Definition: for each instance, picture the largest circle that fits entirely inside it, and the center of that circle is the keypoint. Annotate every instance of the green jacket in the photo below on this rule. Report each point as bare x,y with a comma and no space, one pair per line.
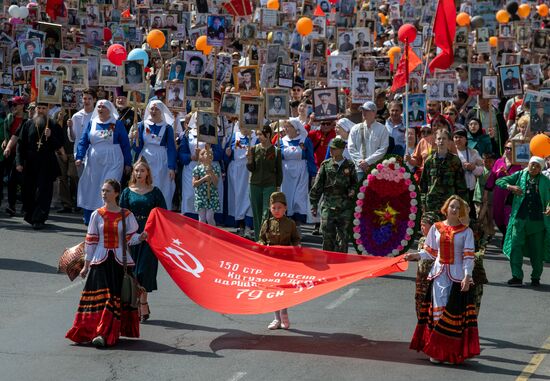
520,179
336,184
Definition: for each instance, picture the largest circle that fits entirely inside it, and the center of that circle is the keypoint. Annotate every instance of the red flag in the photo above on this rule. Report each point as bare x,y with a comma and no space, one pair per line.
319,11
401,76
444,34
238,7
229,274
55,8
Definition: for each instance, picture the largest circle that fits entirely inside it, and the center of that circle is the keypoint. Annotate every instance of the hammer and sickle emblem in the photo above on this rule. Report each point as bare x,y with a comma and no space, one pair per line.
177,255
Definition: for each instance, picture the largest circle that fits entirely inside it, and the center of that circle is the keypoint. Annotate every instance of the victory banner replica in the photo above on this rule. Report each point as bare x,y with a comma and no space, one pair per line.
229,274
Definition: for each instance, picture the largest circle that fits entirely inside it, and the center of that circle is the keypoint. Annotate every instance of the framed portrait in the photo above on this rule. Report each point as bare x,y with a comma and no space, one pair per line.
540,116
475,76
64,66
532,74
434,90
461,54
505,30
94,36
506,44
207,127
175,95
482,40
271,53
170,21
198,105
109,74
32,33
340,71
248,31
29,50
277,104
268,76
382,68
195,63
362,85
520,152
523,34
191,88
490,87
93,70
206,89
510,80
231,104
50,87
415,83
511,59
541,41
269,18
449,90
53,44
18,75
68,98
325,103
285,75
134,75
461,36
79,74
216,31
155,19
251,113
177,71
318,49
346,41
223,68
417,110
246,79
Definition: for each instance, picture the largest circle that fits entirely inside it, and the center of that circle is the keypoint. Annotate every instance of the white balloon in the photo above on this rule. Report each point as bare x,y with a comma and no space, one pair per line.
23,12
12,10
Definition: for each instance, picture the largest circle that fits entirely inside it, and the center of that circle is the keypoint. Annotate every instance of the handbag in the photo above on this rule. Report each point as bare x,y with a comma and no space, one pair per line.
131,289
71,261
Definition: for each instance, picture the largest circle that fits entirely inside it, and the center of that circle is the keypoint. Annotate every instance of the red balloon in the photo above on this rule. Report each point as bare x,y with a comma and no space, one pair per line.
107,34
407,33
117,54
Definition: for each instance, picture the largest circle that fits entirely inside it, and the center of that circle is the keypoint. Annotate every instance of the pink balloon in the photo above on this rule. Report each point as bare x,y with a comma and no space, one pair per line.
117,54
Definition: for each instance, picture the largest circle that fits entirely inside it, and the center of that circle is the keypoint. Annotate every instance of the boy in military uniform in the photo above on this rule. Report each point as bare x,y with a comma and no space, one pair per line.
336,180
279,230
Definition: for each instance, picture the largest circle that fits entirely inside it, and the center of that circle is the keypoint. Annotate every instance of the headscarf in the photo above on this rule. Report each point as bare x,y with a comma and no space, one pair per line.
345,124
480,131
538,160
112,109
300,129
167,116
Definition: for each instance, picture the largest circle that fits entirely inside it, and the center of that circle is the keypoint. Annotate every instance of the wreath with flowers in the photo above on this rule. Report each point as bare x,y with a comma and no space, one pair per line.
387,209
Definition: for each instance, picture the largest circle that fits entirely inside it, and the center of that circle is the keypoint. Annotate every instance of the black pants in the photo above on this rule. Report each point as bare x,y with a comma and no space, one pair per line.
37,195
14,179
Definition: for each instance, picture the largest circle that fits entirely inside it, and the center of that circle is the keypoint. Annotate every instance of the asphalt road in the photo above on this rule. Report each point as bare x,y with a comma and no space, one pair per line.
357,333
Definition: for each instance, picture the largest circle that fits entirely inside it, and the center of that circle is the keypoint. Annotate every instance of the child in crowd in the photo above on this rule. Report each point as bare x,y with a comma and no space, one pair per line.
205,182
279,230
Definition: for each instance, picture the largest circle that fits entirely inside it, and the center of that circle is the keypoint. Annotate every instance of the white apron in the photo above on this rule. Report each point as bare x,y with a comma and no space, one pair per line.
187,190
104,160
157,158
238,192
295,177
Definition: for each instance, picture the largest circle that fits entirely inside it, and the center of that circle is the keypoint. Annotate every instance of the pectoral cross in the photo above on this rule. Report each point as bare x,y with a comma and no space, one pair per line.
39,144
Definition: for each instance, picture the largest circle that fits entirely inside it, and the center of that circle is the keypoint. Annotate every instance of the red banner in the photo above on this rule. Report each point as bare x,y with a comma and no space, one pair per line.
229,274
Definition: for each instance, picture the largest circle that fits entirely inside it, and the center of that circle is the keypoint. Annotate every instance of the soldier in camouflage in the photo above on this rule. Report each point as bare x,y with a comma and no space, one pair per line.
442,177
336,181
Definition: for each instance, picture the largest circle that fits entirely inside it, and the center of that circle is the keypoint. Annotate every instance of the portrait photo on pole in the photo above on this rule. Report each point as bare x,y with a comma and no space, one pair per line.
177,71
277,104
134,75
251,113
29,50
191,88
540,116
325,103
520,152
109,74
246,79
195,63
50,87
207,127
362,86
231,105
417,110
175,95
510,80
79,74
490,87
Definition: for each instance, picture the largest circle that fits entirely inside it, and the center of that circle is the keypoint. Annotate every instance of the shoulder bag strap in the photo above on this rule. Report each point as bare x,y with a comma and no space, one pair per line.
123,243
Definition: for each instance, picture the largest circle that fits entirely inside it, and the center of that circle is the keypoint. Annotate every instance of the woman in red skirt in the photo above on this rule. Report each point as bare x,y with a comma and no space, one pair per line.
447,323
102,318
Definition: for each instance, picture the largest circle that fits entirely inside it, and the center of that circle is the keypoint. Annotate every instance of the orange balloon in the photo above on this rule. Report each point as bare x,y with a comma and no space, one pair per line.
540,145
542,10
156,39
202,45
273,4
493,41
304,26
502,16
463,19
524,10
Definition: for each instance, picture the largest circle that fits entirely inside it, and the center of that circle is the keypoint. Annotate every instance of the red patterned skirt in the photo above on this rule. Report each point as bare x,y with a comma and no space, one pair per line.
454,337
100,312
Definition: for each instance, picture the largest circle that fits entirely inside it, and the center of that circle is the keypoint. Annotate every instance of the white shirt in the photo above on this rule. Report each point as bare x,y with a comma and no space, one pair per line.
368,143
470,155
80,123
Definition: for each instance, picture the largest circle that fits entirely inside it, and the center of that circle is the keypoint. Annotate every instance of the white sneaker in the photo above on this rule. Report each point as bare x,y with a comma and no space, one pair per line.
434,361
98,341
239,232
285,322
275,324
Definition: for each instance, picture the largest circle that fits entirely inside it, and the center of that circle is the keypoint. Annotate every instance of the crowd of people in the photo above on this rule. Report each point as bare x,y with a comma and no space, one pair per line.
261,142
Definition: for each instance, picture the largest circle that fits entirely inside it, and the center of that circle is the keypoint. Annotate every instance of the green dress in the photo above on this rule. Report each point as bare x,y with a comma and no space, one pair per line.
201,192
146,262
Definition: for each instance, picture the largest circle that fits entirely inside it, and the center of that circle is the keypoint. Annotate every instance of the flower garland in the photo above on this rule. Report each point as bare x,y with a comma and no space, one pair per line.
386,211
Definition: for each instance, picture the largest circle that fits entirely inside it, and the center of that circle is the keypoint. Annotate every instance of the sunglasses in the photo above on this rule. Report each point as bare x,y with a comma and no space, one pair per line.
507,148
326,123
450,113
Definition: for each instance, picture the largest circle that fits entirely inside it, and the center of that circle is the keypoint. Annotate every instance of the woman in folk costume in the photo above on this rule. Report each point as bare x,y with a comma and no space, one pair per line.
298,167
106,147
447,323
187,155
157,145
238,190
102,318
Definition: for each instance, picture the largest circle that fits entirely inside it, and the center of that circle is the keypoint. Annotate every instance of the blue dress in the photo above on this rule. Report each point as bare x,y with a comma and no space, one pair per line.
146,262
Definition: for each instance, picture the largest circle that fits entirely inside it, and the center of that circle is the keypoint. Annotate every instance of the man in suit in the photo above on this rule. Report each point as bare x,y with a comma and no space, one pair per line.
216,30
339,73
176,100
510,83
277,108
246,83
207,128
346,46
491,88
325,108
27,58
195,66
251,115
133,73
229,104
416,115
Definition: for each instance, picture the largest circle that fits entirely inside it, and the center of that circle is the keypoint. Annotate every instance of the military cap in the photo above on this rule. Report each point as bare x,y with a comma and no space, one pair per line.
277,197
338,143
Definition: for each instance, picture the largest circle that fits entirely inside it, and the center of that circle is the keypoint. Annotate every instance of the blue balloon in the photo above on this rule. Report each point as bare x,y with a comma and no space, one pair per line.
137,55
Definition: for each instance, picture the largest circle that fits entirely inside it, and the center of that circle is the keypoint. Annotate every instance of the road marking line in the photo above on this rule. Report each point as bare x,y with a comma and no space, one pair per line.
237,376
69,287
535,362
342,298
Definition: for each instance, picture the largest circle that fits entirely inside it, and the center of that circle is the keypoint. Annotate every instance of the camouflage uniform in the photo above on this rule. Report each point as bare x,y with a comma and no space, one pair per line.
442,178
337,185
